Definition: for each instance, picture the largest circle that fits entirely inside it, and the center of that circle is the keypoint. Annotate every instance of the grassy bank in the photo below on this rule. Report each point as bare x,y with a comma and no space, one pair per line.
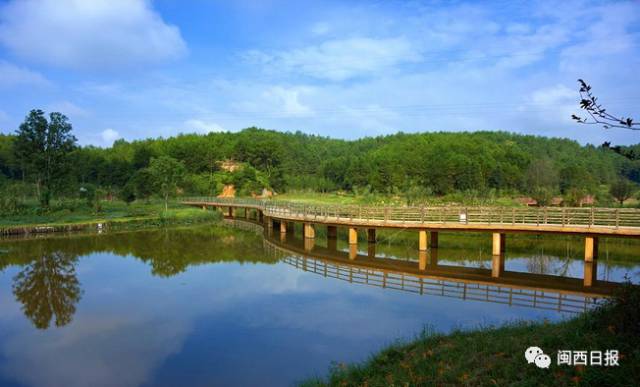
72,215
470,198
495,356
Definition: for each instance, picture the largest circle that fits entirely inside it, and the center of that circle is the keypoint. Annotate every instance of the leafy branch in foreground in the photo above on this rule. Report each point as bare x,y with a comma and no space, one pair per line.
598,114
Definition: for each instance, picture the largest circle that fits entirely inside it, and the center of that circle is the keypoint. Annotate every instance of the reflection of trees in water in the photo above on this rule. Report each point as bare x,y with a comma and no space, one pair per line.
48,288
546,264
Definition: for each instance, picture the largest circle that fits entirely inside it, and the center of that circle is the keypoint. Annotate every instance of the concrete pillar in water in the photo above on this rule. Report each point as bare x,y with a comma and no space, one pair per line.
332,232
497,265
353,251
309,243
371,250
590,273
433,258
332,244
499,240
283,227
353,236
230,212
422,260
590,248
371,235
309,231
422,240
433,242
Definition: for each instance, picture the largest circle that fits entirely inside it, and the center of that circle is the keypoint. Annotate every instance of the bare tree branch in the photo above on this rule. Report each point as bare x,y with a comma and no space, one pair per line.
598,114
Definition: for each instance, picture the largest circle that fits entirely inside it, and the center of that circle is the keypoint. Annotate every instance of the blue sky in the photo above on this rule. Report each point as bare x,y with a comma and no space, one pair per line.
135,69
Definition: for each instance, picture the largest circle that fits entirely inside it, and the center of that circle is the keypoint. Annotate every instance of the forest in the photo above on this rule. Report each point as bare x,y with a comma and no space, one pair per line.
46,162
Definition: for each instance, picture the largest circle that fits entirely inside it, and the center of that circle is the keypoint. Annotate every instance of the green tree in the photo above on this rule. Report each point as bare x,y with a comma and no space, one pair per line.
142,182
622,190
43,148
542,181
167,174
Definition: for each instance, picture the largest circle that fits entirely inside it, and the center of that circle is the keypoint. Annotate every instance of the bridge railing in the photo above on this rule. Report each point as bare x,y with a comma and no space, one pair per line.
531,216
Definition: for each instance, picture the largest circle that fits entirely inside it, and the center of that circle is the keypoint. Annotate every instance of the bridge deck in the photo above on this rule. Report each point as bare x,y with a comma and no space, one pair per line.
596,221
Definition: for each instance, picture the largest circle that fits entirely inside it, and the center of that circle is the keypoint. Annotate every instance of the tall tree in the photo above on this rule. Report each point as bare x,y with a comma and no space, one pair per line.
167,174
43,148
622,190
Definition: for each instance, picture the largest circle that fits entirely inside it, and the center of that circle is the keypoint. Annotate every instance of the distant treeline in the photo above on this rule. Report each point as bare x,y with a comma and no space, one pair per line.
417,164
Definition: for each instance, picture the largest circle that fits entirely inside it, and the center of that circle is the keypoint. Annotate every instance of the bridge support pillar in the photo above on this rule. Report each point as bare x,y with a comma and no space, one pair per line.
422,240
498,243
332,244
309,243
204,208
590,248
590,273
433,258
230,212
332,232
283,227
422,260
353,236
371,250
353,251
433,239
309,231
497,265
371,235
261,217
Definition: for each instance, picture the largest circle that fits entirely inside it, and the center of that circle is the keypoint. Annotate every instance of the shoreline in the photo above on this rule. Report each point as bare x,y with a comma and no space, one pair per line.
103,225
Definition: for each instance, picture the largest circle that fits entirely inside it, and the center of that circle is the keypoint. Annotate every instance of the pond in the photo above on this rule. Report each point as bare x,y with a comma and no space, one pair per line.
218,305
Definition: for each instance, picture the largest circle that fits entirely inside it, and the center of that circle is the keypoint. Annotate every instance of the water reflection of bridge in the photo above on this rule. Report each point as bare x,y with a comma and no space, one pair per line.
427,276
515,289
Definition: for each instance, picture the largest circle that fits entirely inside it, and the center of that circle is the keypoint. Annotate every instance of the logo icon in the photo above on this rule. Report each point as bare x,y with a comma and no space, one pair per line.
543,361
537,356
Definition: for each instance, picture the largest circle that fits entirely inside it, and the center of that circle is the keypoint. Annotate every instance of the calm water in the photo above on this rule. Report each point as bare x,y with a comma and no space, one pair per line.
221,306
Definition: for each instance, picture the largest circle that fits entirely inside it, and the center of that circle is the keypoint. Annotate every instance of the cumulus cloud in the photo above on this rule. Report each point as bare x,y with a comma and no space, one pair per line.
109,136
12,75
97,34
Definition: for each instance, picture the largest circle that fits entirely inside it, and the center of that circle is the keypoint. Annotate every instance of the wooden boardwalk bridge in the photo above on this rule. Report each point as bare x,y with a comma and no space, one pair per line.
590,222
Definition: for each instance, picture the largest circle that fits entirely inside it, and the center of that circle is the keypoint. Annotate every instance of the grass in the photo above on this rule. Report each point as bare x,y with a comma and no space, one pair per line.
70,212
495,356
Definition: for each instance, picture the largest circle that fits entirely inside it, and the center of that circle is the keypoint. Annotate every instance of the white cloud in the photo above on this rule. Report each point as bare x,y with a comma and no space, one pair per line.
96,34
287,101
67,108
200,126
341,59
320,28
554,95
12,75
109,136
